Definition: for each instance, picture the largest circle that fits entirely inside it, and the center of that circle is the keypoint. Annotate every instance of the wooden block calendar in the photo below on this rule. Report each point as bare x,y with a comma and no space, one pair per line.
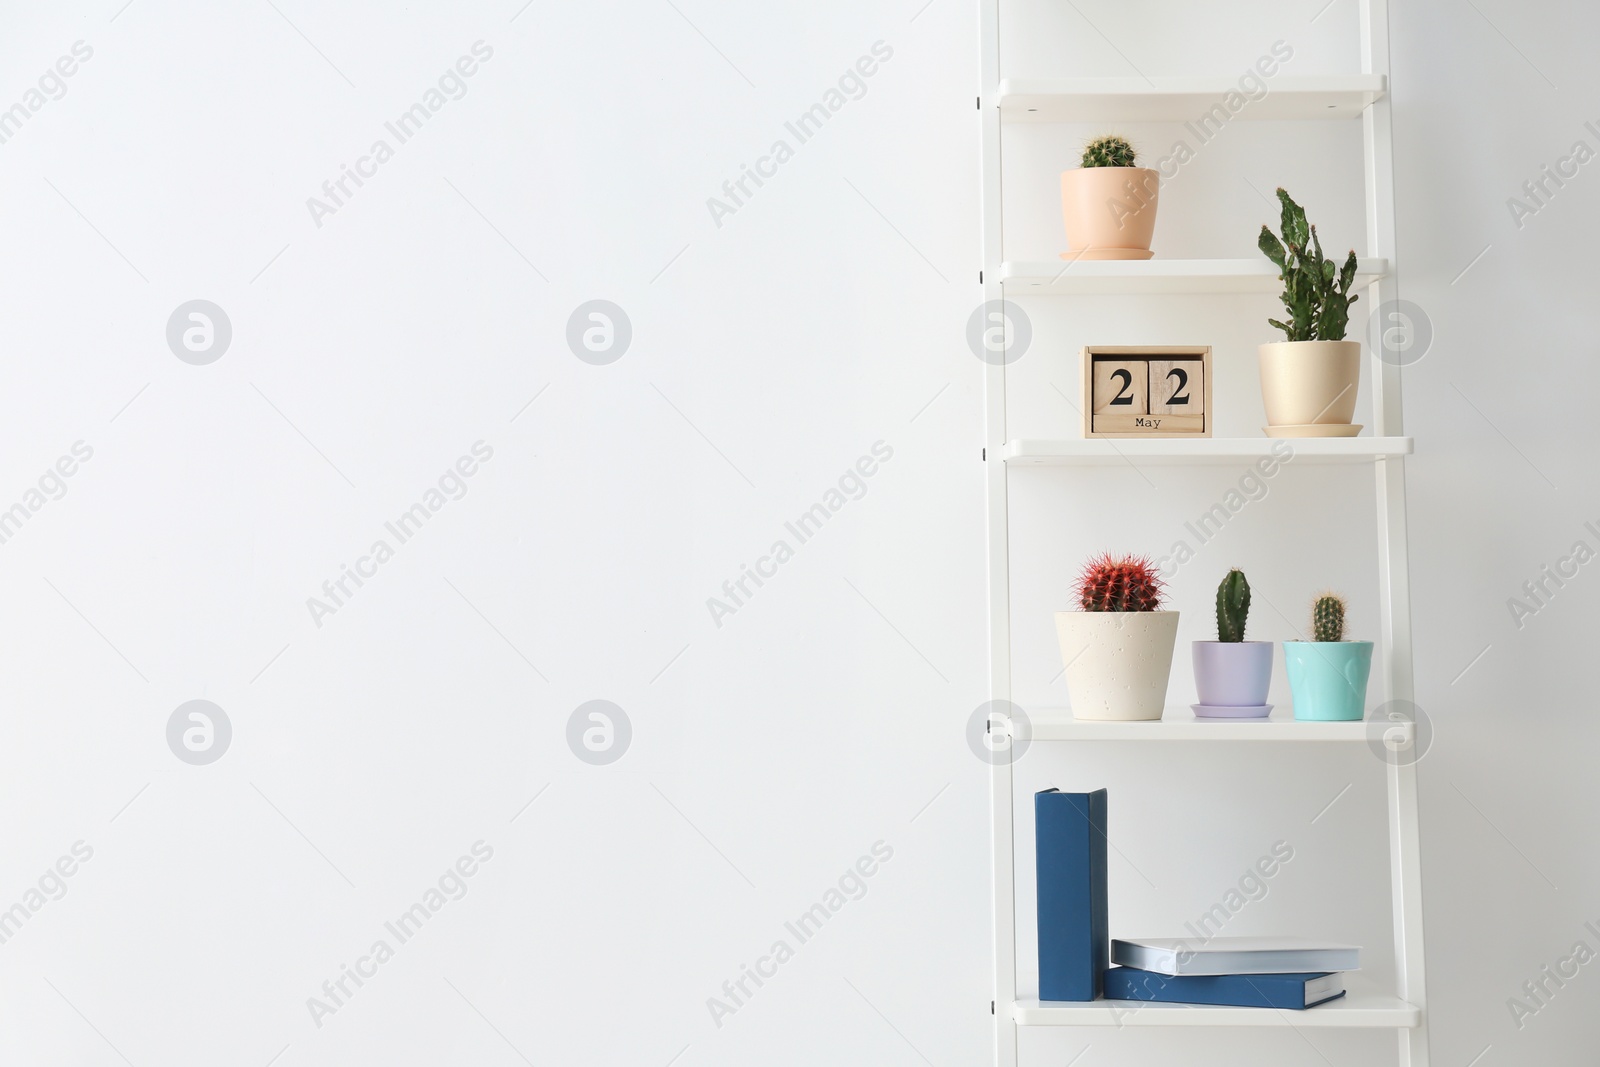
1147,391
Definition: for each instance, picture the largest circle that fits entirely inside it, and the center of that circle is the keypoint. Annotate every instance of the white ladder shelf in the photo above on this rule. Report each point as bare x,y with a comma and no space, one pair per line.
1365,96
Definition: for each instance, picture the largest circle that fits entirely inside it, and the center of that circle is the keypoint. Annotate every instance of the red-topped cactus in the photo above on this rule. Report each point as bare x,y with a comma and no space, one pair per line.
1125,583
1117,648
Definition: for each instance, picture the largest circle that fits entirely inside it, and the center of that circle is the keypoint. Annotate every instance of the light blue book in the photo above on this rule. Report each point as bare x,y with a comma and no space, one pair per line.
1234,955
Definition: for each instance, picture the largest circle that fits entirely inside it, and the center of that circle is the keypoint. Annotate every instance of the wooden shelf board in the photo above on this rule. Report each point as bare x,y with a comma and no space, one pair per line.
1168,451
1181,724
1356,1009
1111,276
1186,99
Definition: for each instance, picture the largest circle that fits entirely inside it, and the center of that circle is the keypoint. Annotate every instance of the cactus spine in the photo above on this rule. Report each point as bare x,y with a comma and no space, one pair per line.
1110,151
1327,618
1233,606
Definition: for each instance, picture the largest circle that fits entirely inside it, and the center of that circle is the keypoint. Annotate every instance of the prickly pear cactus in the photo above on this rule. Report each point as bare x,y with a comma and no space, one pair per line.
1315,294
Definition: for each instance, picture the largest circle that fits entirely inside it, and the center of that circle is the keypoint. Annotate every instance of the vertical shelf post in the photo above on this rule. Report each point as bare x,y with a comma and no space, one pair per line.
1405,861
1002,833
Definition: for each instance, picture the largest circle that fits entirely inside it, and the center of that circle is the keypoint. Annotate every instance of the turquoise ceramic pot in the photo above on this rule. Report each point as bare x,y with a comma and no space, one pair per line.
1328,678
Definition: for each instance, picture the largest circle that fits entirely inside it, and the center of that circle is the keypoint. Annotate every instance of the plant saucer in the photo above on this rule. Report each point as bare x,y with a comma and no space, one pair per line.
1212,711
1314,429
1108,253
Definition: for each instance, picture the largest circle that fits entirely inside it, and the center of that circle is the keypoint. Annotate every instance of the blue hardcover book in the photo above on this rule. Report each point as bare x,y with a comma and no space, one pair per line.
1070,860
1292,991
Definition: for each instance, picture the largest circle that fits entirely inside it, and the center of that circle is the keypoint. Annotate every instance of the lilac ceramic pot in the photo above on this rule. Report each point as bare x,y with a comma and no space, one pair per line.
1233,674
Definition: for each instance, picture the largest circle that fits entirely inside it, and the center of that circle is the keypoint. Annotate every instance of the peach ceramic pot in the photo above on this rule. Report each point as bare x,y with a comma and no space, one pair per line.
1110,212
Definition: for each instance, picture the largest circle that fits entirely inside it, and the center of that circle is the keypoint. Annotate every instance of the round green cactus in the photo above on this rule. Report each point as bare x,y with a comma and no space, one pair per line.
1112,151
1327,618
1233,606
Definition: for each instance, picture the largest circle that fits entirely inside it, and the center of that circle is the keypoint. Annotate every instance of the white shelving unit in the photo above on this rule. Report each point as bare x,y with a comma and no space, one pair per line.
1358,97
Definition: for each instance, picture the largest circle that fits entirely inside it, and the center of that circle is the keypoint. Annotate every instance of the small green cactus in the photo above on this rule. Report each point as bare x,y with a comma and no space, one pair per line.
1327,618
1112,151
1233,606
1316,296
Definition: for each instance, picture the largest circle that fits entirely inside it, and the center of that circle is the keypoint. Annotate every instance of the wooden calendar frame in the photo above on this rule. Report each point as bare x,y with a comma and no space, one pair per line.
1162,425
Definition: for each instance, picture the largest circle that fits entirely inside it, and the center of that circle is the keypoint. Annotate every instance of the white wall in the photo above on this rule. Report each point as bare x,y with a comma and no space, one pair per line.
1503,487
768,355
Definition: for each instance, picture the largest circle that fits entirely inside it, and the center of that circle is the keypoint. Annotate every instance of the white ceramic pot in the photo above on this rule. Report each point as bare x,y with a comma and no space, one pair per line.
1117,662
1310,383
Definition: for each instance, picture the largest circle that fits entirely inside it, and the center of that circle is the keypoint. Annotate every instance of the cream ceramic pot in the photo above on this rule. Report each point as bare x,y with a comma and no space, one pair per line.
1310,382
1117,662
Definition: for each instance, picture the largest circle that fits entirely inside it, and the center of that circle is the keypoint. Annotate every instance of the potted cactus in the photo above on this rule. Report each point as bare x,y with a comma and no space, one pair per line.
1309,379
1117,648
1232,675
1109,204
1328,675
